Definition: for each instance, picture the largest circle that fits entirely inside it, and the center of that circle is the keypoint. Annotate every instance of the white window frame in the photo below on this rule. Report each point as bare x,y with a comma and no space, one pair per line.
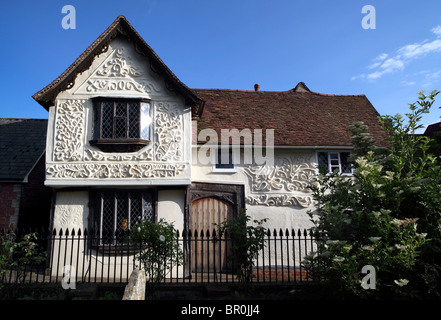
332,167
224,170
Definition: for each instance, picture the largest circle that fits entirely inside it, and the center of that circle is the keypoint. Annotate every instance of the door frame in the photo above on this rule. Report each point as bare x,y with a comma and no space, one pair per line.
233,194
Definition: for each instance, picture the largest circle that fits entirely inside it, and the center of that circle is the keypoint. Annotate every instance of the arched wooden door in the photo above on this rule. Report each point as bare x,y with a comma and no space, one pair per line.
207,254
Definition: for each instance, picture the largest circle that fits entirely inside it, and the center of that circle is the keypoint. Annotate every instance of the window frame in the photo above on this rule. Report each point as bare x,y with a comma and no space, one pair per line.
97,220
216,156
115,143
331,167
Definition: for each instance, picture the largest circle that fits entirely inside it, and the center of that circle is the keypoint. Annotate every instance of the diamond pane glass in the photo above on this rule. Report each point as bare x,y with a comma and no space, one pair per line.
345,165
134,120
106,120
120,120
323,161
108,218
135,208
148,212
121,213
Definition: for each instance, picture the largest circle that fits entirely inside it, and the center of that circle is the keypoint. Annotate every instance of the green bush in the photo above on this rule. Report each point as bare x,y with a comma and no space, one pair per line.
159,250
247,240
388,215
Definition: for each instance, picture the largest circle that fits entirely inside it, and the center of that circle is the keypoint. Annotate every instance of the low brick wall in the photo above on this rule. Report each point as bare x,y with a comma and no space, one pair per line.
280,273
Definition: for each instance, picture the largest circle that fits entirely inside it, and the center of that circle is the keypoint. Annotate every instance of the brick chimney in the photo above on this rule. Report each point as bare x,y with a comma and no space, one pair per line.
256,87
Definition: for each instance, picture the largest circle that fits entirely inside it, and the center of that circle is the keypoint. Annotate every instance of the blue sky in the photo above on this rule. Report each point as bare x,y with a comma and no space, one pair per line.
235,44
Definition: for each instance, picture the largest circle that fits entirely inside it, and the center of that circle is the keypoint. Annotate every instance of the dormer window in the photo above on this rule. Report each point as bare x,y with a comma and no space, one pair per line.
121,125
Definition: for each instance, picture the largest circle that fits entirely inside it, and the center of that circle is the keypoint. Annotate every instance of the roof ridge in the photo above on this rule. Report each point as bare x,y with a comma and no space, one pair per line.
338,95
287,91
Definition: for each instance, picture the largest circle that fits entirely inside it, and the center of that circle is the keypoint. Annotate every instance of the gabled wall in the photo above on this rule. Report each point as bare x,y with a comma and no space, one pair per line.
120,72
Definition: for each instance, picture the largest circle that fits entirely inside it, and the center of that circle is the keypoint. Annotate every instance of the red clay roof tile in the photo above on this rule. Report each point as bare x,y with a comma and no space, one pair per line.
298,117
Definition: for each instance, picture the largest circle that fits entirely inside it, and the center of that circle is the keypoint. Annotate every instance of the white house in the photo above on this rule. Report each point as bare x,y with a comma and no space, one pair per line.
127,140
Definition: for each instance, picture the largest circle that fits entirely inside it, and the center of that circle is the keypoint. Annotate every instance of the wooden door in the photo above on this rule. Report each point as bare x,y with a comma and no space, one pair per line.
209,255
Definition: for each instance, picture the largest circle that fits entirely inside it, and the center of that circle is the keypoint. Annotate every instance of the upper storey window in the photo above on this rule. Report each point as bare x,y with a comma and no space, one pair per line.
121,125
335,161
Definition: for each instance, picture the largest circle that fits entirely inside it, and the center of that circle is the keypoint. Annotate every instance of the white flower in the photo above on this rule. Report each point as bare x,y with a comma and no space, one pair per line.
139,229
361,161
368,248
401,282
396,222
401,247
374,239
161,238
338,259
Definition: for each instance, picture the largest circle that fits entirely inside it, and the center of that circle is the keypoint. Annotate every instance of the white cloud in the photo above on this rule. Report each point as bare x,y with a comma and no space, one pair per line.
437,31
385,63
431,78
407,83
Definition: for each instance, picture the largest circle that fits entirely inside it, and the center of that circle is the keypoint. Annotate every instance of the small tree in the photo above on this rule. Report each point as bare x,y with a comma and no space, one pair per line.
247,240
384,215
159,250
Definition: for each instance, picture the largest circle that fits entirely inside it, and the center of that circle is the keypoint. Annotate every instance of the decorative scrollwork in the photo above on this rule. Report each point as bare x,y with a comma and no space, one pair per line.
278,184
115,170
69,128
279,200
169,132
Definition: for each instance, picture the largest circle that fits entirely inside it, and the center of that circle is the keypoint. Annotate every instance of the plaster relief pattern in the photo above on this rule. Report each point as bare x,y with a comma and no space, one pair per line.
68,216
69,127
169,132
119,73
115,170
283,184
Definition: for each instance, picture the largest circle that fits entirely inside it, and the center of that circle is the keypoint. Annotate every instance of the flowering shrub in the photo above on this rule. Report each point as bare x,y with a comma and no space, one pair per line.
247,240
159,250
383,216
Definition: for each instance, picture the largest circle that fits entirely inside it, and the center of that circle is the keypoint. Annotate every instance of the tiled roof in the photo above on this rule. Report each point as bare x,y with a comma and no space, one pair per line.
22,142
299,116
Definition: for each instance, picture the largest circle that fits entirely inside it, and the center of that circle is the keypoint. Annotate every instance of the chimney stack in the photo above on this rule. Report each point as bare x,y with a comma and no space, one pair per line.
256,87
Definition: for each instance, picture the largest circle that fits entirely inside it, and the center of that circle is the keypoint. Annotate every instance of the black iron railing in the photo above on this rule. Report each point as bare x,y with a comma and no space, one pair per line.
75,255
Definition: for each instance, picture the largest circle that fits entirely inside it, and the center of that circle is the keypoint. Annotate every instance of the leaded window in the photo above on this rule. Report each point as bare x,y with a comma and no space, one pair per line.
121,125
334,161
115,212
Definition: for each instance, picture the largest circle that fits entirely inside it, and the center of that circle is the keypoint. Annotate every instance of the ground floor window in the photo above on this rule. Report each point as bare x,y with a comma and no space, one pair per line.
116,211
332,161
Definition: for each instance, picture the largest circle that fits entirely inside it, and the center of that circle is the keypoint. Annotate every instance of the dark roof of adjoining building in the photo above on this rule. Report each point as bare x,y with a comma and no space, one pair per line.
22,142
299,117
432,128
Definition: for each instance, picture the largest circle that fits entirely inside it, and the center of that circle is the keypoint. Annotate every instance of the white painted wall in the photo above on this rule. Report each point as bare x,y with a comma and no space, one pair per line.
276,192
118,72
171,207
